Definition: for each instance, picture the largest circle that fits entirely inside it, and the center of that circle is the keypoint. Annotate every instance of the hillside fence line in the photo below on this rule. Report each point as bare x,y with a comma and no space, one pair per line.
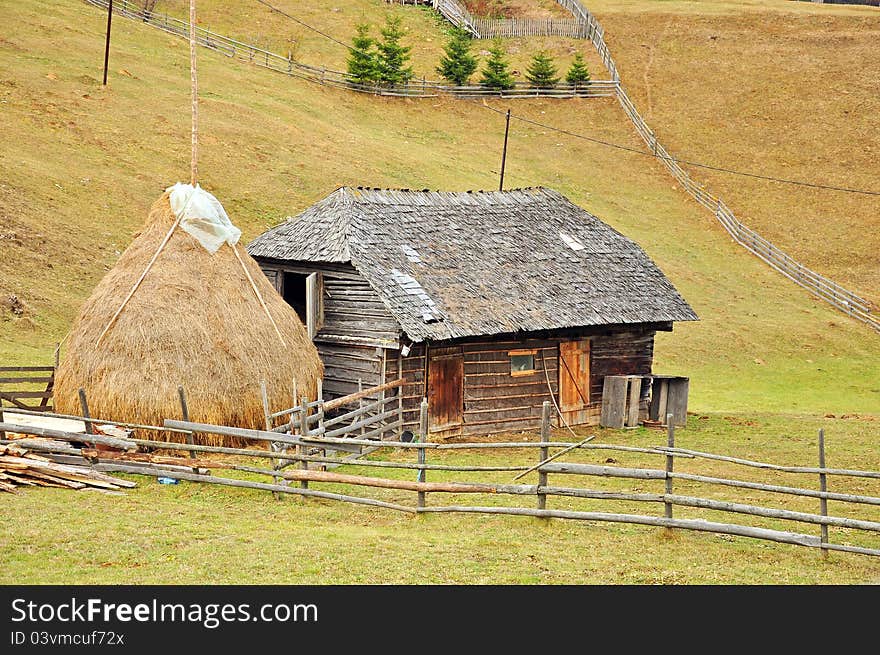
304,451
819,285
414,88
826,289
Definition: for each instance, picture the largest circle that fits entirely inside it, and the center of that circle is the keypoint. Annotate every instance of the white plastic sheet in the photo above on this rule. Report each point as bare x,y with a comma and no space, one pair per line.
202,216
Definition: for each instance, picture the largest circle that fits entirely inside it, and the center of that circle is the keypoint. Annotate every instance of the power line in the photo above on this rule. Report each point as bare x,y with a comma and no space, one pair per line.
306,25
710,167
609,144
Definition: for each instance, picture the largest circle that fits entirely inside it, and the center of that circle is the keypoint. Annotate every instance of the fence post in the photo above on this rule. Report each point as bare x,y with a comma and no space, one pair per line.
84,406
267,418
670,461
184,411
423,437
543,453
823,486
304,430
361,403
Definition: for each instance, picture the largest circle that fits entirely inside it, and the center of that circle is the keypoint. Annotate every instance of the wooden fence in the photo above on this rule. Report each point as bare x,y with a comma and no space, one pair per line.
308,447
836,295
28,387
415,88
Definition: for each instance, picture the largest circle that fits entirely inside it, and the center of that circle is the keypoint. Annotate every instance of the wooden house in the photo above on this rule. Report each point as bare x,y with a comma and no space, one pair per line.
487,303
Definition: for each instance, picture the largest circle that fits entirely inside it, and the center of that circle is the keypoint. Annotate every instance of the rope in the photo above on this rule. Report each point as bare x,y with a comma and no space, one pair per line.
194,166
259,295
553,398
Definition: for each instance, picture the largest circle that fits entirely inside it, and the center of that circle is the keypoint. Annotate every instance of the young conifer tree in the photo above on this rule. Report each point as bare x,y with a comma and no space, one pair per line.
362,59
393,57
542,72
458,64
496,74
578,73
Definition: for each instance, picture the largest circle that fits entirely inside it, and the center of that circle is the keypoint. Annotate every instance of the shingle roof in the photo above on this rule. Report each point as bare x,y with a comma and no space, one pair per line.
450,264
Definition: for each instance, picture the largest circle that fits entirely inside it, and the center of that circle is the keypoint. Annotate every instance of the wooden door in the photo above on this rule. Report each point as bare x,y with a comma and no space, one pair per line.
574,380
445,393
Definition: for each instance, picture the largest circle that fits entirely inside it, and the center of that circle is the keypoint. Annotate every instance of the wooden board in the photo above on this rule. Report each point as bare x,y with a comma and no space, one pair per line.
614,402
574,380
445,393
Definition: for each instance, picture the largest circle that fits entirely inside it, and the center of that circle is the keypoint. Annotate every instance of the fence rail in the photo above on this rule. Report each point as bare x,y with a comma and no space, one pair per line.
826,289
414,88
300,448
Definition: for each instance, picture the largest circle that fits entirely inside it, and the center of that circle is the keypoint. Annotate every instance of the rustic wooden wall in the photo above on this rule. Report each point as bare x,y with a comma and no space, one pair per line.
358,334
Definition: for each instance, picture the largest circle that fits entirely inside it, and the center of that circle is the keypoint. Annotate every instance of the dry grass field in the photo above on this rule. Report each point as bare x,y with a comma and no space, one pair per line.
80,165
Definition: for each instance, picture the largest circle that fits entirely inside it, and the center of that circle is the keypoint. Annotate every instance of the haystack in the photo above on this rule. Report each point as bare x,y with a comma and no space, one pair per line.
196,321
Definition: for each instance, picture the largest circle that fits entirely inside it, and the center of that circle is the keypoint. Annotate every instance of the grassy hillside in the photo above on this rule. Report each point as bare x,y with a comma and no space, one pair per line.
782,88
82,163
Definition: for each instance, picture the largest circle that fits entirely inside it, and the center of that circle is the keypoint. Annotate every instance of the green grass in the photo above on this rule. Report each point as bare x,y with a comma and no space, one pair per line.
201,534
81,164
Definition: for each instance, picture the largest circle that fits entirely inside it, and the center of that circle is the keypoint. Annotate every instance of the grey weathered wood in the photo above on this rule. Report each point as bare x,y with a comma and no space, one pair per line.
677,400
74,417
670,461
613,402
635,392
184,414
345,400
545,460
423,438
84,407
605,471
41,446
754,510
663,522
370,420
773,467
125,444
247,484
577,492
823,487
360,411
794,491
543,453
304,432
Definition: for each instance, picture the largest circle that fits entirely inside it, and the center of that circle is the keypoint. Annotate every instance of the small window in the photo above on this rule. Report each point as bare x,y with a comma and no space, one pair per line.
522,362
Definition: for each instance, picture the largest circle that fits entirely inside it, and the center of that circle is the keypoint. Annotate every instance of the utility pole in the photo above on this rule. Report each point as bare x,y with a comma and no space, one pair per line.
107,43
504,152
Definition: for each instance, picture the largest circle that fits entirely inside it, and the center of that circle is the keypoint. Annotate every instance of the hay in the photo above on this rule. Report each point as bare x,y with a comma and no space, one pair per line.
195,321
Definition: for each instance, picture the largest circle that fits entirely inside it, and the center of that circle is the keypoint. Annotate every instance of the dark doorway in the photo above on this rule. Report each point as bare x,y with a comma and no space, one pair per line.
294,292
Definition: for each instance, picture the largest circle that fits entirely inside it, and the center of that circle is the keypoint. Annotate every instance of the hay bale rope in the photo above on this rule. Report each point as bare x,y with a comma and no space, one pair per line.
195,321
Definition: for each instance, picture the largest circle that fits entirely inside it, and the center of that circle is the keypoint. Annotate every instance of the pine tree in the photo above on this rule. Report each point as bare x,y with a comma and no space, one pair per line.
458,64
362,61
578,73
392,56
496,74
542,72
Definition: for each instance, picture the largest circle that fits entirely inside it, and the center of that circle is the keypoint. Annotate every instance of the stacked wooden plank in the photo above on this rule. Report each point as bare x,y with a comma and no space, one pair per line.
19,467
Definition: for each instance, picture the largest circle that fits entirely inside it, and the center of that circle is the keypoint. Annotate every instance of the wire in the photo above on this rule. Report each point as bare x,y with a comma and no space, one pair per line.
609,144
306,25
720,169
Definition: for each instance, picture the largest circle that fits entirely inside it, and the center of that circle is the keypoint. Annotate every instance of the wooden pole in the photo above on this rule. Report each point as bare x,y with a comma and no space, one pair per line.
194,166
361,401
184,410
543,453
670,460
84,406
423,437
504,151
107,40
823,487
304,431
